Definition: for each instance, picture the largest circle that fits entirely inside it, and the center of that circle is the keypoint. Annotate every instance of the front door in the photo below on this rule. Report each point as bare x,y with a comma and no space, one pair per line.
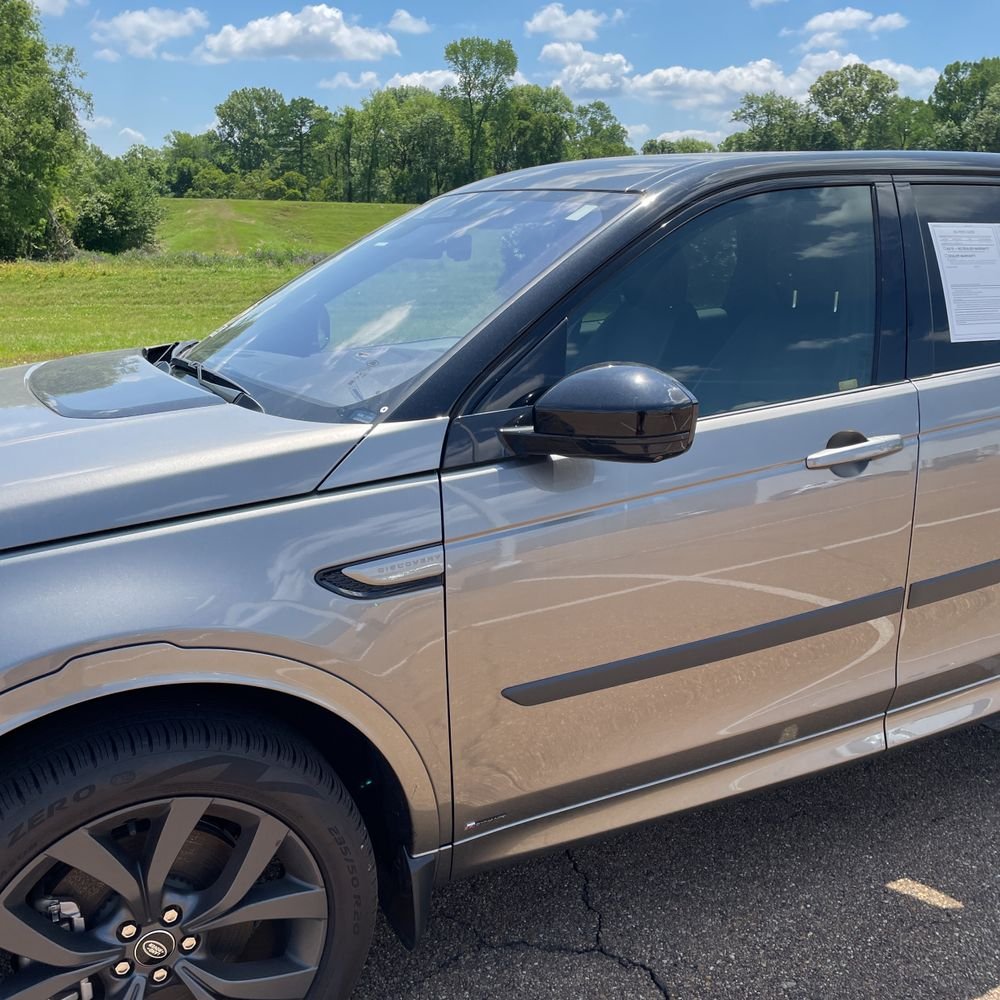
614,626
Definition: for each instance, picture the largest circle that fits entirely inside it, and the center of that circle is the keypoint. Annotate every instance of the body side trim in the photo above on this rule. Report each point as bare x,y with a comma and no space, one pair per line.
703,651
962,581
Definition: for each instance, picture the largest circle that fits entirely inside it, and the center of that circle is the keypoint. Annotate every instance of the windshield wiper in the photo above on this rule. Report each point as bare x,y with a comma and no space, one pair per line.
221,385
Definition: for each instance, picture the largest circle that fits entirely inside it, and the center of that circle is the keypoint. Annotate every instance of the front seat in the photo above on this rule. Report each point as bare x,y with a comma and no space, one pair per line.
653,314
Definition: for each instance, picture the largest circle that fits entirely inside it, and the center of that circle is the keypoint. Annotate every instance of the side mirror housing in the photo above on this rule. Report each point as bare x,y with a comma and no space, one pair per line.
618,411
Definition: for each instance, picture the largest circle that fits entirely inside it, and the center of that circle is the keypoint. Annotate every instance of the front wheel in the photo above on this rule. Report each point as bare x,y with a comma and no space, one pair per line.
181,858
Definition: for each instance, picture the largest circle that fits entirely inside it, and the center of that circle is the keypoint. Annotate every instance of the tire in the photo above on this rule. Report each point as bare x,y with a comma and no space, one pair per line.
154,857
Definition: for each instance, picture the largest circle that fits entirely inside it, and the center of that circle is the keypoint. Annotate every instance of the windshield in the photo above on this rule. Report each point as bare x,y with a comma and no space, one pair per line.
343,341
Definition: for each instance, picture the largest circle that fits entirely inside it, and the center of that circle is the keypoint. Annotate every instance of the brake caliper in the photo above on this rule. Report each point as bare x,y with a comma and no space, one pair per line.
66,913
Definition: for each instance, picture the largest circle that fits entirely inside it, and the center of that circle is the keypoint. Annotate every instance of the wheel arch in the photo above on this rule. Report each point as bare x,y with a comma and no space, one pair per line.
367,748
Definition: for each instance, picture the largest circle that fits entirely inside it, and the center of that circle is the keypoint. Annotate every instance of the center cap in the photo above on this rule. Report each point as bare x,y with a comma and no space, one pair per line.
154,947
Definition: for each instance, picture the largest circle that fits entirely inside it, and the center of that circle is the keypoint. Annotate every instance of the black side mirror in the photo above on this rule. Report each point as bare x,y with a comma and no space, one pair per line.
618,411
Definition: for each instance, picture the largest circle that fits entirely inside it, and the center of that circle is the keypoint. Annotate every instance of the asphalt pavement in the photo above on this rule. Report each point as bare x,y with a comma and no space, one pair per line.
781,895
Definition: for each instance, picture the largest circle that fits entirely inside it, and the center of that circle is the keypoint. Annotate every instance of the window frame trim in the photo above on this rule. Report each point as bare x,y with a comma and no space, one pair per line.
919,300
889,348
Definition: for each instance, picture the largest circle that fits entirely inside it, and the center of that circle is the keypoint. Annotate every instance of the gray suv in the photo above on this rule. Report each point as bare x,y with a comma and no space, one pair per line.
387,581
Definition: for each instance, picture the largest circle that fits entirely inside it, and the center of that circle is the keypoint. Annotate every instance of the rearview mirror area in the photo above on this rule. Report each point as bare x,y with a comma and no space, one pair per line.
615,411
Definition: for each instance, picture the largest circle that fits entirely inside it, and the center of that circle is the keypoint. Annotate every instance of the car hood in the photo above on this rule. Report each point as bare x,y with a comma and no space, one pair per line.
105,441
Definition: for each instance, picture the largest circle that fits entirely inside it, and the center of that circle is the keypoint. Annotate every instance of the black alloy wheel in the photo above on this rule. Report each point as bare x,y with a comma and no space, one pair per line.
182,859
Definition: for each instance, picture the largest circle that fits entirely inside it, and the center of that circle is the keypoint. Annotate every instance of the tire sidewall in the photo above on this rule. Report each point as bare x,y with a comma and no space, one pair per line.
316,810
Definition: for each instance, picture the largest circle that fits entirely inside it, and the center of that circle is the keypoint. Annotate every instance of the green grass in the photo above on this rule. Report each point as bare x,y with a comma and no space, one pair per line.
218,257
49,310
224,226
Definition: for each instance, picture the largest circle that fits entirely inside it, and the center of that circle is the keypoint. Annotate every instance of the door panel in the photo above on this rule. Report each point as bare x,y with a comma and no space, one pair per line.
560,565
951,633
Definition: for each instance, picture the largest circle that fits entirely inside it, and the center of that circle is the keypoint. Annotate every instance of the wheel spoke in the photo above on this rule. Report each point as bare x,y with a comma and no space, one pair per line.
277,979
39,982
26,933
258,842
136,989
167,838
100,859
282,899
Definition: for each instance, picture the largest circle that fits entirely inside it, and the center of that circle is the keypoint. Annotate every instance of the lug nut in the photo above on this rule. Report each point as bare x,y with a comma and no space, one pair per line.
123,969
171,915
127,931
189,944
160,975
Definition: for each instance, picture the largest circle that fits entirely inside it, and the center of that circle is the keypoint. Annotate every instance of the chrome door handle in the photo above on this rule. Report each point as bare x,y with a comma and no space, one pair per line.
862,451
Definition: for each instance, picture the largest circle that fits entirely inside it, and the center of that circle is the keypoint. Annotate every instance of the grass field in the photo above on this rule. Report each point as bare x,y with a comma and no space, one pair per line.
49,310
219,226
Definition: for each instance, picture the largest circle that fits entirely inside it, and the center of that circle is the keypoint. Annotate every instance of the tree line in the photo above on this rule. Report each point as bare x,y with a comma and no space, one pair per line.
402,144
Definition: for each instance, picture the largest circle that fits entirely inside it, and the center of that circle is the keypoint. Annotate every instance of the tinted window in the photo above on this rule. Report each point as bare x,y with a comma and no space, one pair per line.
953,203
765,299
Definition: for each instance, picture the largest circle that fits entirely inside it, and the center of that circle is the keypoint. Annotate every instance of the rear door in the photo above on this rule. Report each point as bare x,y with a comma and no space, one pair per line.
951,634
613,627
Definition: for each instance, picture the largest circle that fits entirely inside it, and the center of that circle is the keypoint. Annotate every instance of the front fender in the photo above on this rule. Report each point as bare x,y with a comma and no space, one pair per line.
87,678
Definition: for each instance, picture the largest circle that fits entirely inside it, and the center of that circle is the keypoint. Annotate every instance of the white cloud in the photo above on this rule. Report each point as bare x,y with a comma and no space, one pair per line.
365,81
432,79
97,122
888,22
132,135
636,133
56,8
315,32
913,81
586,72
108,55
828,30
578,26
142,32
711,92
405,23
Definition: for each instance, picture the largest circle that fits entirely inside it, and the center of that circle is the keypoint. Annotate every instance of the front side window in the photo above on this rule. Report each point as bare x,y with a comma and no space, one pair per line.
342,342
765,299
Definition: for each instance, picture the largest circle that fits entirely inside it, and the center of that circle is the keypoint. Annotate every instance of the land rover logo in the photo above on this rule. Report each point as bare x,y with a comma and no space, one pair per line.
154,948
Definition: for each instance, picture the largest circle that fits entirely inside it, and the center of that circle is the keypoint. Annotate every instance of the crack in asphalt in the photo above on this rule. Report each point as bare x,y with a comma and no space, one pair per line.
599,946
483,943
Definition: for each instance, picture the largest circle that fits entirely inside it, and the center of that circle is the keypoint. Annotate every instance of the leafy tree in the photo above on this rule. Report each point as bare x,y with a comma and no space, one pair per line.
777,122
307,124
208,181
533,126
253,124
597,132
422,155
980,132
485,70
125,210
855,100
963,88
685,144
908,124
41,140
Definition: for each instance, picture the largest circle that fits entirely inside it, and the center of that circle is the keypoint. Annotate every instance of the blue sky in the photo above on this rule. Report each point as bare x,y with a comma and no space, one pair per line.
665,66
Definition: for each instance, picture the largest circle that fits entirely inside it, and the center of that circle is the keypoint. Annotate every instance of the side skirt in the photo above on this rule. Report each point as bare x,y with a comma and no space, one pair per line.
943,712
609,814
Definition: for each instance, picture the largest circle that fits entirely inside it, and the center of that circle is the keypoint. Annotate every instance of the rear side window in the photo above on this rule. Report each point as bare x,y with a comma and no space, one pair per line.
765,299
952,204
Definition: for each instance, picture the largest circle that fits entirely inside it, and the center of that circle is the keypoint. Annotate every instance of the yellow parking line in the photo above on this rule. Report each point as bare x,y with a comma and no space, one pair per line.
910,887
992,995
